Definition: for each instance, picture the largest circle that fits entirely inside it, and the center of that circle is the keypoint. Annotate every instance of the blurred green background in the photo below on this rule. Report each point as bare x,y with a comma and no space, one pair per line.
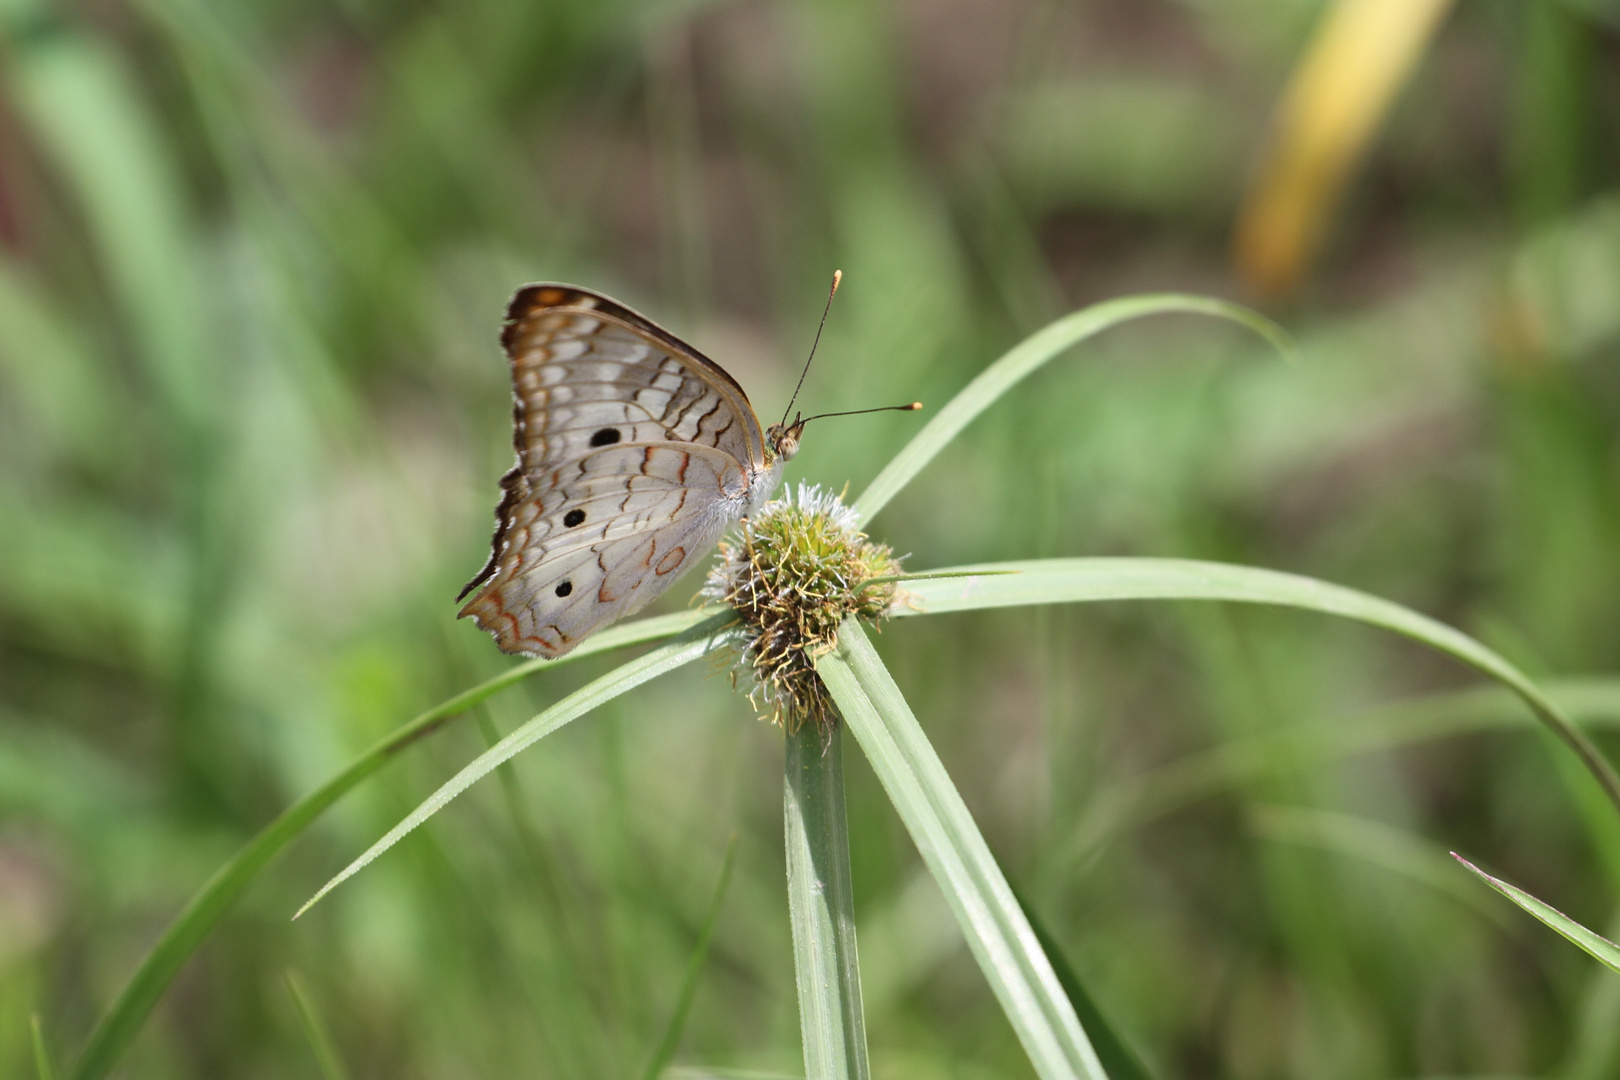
253,258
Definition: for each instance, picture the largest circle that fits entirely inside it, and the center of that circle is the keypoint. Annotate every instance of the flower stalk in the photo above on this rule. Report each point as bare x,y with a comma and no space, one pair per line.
821,904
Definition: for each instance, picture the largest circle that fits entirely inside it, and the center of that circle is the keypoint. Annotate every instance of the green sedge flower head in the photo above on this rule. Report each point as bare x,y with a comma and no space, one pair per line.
800,567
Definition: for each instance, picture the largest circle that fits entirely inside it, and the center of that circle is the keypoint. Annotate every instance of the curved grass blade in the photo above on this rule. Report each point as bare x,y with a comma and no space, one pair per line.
123,1020
597,692
1052,581
1045,344
694,968
945,834
1595,945
821,905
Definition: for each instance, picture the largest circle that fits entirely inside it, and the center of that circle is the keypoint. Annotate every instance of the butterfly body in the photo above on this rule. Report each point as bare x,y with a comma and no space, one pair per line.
635,453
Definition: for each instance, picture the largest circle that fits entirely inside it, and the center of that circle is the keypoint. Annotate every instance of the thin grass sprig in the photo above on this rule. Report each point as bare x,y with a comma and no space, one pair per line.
664,1052
44,1068
315,1031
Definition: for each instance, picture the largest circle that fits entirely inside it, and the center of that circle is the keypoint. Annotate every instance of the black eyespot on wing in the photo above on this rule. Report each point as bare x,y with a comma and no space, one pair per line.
565,588
574,517
606,437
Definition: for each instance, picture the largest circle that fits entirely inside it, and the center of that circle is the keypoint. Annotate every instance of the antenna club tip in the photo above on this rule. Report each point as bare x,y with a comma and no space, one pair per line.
914,406
838,277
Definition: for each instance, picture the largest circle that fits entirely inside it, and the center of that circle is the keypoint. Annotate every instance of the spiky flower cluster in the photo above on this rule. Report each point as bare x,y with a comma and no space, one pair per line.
799,569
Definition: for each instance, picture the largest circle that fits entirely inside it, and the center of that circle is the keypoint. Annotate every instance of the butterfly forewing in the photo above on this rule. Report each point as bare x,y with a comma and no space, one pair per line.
587,372
635,452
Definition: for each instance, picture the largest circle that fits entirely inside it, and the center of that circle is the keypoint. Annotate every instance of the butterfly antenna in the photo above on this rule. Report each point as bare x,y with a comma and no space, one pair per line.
838,275
913,407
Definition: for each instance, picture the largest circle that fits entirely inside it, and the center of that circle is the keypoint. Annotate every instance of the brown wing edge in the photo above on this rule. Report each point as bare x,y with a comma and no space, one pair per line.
555,294
513,489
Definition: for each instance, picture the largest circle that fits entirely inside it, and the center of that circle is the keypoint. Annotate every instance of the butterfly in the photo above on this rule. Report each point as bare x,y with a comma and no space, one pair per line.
635,453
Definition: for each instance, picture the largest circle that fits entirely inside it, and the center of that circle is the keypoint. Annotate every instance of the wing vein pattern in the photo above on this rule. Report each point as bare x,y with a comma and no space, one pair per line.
635,453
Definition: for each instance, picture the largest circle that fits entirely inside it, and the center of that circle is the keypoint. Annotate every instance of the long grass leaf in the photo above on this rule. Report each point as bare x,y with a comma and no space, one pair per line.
118,1027
956,854
1594,944
694,970
821,905
593,694
1053,581
1028,355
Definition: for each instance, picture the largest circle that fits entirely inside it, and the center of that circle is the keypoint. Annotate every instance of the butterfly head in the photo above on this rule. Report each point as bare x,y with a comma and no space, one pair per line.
784,437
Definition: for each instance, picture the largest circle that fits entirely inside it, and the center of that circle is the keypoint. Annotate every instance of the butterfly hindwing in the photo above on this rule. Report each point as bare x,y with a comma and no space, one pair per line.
614,529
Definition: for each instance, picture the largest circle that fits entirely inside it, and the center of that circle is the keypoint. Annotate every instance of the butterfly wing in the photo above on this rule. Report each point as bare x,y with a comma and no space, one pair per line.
592,380
613,530
587,371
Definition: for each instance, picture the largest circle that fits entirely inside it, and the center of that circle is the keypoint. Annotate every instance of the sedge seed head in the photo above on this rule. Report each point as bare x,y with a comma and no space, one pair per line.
800,567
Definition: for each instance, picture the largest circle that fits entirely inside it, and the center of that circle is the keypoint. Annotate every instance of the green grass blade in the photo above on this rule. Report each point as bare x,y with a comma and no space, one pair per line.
320,1042
1598,946
118,1027
956,854
1053,581
1044,345
43,1069
597,692
821,904
694,969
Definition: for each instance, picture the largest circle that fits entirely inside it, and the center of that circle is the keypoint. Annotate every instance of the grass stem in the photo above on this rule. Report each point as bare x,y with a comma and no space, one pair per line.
821,903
